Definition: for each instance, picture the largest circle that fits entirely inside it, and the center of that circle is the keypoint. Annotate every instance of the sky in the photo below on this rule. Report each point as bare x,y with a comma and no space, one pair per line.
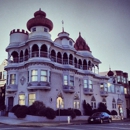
104,24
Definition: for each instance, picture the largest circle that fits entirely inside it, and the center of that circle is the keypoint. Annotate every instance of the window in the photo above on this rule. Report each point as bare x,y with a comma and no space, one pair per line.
71,80
85,83
13,79
113,104
105,87
65,80
125,90
122,89
45,30
44,75
34,75
33,29
90,84
76,104
4,74
104,101
70,42
101,86
93,104
21,99
112,88
32,98
60,102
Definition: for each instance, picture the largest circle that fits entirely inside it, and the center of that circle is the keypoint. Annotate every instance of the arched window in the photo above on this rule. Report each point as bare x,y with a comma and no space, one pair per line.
71,59
60,101
113,104
35,51
43,51
26,55
93,102
104,101
75,62
21,56
53,56
76,102
84,65
14,57
65,58
59,58
80,64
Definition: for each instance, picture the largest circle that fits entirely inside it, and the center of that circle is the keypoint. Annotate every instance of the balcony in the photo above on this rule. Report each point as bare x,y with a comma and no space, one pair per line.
68,89
104,93
88,91
38,85
12,88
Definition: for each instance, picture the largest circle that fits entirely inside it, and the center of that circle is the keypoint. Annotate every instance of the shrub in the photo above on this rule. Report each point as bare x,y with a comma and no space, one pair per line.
113,112
77,112
42,112
32,110
50,113
21,112
62,112
102,107
39,105
87,108
71,113
108,112
15,108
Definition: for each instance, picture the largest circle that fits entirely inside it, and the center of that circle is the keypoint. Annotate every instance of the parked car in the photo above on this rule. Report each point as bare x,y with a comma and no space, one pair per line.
100,117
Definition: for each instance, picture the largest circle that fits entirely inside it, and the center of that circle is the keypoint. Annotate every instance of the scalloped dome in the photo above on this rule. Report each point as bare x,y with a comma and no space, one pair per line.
39,20
81,45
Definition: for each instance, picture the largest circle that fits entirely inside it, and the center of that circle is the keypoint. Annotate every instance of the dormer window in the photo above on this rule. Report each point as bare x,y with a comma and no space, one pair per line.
33,29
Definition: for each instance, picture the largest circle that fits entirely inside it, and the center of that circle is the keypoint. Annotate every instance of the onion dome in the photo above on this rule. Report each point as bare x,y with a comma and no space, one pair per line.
39,20
110,73
81,44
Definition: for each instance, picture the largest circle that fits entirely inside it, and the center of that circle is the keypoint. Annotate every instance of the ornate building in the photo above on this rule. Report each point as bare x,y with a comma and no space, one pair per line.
61,73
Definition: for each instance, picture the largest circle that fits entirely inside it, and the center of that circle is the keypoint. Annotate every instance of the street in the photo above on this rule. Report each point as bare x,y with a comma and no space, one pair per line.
106,126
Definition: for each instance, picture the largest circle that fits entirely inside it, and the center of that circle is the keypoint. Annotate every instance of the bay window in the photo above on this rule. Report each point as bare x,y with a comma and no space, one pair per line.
31,98
44,75
65,80
12,78
71,80
34,75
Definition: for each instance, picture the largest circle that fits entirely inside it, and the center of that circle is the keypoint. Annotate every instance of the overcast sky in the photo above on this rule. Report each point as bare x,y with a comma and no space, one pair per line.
104,24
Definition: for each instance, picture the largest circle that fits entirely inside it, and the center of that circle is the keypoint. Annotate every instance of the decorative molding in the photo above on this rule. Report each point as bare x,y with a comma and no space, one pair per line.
22,80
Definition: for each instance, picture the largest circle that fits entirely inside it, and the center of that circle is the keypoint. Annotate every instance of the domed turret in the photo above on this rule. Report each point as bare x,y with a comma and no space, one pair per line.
81,45
110,73
40,20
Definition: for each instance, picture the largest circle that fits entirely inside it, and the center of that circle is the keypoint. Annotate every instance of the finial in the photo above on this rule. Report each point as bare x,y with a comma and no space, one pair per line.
39,9
62,26
79,33
109,67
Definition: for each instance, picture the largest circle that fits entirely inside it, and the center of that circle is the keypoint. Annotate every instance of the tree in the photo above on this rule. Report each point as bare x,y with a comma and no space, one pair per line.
87,108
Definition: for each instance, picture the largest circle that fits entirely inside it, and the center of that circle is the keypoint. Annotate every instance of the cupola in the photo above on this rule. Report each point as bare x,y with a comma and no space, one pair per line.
39,20
110,73
81,44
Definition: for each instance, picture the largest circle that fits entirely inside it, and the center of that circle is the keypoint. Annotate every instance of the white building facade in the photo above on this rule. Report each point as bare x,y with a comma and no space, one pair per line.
60,73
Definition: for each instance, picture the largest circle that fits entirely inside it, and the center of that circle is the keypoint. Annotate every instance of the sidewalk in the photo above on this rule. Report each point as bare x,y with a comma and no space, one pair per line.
21,122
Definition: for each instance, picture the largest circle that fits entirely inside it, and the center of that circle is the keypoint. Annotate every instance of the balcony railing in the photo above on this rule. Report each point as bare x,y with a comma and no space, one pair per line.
38,85
68,89
88,91
12,88
52,58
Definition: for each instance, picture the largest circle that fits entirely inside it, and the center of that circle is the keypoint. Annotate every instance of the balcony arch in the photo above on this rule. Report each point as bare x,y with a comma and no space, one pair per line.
80,64
75,62
89,65
84,65
43,51
65,58
53,56
21,56
59,58
26,55
71,59
14,57
35,51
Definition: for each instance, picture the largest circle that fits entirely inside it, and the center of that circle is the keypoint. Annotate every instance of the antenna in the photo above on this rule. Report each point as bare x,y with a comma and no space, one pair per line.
62,26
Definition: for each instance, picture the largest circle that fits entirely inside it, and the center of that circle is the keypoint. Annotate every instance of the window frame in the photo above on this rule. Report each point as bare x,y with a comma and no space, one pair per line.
12,78
30,101
34,75
43,75
21,100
